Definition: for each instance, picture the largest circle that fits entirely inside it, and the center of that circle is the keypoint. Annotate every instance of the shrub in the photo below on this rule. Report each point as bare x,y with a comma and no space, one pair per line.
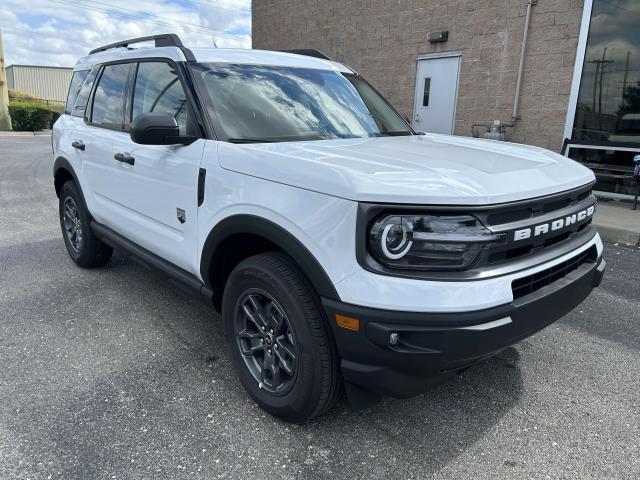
22,96
31,116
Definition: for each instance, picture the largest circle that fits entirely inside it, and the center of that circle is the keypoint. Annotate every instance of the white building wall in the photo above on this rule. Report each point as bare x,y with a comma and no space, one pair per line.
50,83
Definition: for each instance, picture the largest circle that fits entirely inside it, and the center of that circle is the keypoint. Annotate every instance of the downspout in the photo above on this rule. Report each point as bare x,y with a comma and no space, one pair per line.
527,21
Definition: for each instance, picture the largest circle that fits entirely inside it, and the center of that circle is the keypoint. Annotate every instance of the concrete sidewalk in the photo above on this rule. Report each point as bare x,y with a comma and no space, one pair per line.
616,222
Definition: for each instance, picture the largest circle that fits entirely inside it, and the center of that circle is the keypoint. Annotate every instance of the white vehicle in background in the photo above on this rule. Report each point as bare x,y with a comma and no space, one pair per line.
628,129
342,248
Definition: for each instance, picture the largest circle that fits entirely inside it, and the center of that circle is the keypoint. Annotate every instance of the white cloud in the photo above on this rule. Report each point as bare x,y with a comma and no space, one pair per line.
58,32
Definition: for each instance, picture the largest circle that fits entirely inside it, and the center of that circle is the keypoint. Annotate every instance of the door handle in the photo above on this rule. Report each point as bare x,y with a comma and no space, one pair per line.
124,158
78,145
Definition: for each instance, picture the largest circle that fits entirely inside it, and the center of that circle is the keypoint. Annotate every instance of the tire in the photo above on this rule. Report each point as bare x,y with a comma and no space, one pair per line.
83,246
268,290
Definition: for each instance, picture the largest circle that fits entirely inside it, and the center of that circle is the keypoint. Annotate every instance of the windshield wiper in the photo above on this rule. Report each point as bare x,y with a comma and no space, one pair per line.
251,140
283,138
398,133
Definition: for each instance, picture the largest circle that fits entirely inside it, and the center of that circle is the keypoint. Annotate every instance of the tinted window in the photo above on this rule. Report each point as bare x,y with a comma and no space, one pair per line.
83,95
609,98
271,103
109,98
74,89
158,89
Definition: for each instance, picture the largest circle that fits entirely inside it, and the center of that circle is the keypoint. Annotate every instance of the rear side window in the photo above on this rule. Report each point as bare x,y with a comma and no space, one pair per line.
158,89
74,89
83,95
109,97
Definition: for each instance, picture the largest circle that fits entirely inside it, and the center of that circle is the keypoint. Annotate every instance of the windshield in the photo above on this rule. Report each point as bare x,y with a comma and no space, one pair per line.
258,103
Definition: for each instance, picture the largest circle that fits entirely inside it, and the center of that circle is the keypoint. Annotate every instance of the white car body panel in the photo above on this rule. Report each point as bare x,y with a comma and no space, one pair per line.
116,54
264,57
212,55
402,294
325,225
147,195
424,169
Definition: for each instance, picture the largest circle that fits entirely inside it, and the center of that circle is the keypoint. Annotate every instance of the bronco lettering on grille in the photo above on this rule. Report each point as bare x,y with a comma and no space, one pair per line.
554,225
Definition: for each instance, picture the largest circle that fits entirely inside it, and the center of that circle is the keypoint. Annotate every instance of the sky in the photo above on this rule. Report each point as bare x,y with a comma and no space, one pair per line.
58,32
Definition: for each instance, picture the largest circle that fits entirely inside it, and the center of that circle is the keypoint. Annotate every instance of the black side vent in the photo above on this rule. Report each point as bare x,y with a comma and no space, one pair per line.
529,284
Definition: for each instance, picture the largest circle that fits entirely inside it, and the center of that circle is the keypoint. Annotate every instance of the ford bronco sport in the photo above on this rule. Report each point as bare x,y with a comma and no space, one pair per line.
343,249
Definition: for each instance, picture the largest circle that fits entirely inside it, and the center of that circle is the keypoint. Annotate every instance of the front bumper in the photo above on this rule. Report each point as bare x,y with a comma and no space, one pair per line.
430,347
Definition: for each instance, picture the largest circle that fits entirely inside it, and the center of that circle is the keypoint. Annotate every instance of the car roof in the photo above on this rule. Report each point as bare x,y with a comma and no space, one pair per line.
211,55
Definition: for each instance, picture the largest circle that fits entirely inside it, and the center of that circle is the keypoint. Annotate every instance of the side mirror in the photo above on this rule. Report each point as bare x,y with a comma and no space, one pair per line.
158,128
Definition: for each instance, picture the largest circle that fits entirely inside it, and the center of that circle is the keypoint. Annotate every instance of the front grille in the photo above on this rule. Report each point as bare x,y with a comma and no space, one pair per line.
529,284
537,207
528,214
512,252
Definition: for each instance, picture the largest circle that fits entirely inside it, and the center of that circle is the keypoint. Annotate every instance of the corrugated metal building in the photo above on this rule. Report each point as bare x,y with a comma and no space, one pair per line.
50,83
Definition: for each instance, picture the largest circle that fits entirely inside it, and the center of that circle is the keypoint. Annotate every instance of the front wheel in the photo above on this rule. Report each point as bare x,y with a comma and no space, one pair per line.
280,346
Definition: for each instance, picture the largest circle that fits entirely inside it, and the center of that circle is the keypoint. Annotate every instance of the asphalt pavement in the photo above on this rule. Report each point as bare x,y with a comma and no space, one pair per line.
113,373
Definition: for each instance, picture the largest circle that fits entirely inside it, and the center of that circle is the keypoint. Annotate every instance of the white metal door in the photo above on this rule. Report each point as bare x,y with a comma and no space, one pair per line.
157,200
436,93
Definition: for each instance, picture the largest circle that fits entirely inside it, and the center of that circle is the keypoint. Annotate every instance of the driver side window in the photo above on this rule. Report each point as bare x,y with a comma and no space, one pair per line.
158,89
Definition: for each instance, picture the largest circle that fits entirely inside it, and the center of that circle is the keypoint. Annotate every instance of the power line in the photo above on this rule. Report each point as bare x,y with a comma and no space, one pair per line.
223,4
171,24
149,20
84,43
621,8
140,14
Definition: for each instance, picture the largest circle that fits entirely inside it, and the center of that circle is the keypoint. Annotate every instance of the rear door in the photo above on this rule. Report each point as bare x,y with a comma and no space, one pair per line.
105,126
156,196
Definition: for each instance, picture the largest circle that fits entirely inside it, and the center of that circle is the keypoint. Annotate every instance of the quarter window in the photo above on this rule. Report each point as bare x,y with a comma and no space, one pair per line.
158,89
109,98
74,89
83,94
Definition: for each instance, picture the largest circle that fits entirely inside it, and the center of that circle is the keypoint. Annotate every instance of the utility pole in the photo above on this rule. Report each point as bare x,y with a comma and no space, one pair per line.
626,75
597,82
5,120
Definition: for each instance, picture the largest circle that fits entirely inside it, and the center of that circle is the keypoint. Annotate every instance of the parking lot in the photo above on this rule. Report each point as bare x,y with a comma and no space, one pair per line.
112,373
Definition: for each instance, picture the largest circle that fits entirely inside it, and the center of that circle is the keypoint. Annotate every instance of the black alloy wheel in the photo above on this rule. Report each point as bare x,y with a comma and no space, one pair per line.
266,340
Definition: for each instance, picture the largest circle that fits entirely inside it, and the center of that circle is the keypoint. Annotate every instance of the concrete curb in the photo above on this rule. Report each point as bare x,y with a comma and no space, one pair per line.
618,235
617,223
44,133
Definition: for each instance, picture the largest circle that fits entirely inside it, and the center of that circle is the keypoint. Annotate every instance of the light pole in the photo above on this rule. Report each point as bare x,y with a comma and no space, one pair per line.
5,119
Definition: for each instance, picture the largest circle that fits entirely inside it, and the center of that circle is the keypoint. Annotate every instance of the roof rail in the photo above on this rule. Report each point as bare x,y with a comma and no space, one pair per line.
308,52
163,40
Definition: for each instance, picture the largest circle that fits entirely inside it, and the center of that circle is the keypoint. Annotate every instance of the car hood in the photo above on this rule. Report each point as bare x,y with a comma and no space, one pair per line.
420,169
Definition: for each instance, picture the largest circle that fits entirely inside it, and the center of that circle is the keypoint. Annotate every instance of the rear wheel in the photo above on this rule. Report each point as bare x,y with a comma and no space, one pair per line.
280,346
83,246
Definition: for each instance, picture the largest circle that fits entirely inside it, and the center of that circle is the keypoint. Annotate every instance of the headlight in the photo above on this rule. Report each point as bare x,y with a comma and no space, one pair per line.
430,242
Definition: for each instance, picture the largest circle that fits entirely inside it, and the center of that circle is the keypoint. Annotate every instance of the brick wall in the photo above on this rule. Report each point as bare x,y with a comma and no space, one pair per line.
381,40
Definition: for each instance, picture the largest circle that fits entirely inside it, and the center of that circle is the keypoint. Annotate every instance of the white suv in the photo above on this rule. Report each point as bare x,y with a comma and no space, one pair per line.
342,247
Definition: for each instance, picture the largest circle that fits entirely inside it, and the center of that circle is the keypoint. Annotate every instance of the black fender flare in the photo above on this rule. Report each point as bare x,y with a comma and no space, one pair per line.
62,163
254,225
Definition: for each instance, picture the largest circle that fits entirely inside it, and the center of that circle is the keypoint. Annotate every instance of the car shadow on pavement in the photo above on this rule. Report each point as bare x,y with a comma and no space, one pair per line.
129,377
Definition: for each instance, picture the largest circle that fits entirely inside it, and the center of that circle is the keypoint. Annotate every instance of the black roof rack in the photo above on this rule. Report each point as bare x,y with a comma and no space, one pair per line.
308,52
164,40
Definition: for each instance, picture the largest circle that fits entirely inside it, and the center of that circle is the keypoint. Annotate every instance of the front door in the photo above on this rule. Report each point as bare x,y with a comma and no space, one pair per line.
436,93
157,193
